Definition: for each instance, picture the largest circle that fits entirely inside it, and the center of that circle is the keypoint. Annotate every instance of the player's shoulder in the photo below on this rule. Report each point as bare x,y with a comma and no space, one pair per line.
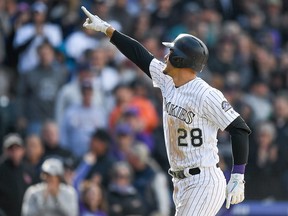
201,84
157,64
208,90
214,95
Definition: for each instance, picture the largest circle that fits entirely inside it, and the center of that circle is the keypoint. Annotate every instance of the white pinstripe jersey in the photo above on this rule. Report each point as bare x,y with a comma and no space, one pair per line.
192,115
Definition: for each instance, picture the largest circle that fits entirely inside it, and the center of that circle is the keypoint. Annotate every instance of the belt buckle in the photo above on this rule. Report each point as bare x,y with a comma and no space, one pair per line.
180,174
186,172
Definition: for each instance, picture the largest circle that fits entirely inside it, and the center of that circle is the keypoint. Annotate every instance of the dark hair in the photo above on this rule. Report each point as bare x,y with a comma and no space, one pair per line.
122,85
45,43
102,134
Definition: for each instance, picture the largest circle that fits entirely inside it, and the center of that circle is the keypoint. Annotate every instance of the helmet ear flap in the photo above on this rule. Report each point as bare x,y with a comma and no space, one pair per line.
177,61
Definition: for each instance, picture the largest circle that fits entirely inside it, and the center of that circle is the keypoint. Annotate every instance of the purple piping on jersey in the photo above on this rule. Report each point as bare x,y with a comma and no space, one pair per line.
239,169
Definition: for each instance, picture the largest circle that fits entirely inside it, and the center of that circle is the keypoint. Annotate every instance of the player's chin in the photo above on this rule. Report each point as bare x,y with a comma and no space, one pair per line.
165,71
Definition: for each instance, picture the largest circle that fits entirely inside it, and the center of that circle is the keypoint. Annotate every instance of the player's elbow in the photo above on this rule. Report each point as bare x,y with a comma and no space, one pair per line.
238,127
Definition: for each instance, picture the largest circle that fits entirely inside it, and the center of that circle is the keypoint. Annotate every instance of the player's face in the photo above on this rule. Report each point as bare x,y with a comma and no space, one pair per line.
168,64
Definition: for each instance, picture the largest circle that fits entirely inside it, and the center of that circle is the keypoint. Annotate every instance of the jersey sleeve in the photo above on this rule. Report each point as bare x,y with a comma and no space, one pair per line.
217,109
158,77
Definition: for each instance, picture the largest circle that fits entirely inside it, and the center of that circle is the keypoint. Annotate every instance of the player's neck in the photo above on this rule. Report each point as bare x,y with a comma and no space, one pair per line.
182,77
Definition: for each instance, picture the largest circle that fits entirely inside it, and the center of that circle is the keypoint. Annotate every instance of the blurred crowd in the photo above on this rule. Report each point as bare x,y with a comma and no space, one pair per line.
81,126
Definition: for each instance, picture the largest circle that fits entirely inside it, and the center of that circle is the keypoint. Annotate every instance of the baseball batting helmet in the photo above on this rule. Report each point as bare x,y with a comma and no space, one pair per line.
188,52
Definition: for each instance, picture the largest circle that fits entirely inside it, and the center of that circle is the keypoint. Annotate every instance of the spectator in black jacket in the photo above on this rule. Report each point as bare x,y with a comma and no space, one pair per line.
97,162
33,158
123,198
150,181
14,178
50,139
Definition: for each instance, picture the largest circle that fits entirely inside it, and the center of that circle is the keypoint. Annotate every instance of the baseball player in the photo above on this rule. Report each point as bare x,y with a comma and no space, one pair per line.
193,112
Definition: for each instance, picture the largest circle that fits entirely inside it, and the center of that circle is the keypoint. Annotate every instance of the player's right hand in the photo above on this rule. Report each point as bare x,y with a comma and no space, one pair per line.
94,22
235,189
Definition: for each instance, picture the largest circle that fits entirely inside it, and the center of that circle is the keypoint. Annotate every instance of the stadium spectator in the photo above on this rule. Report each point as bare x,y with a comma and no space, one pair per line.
190,16
280,120
123,197
125,98
118,11
19,18
163,17
150,181
259,99
52,146
255,21
141,25
80,121
64,13
244,57
29,36
273,9
50,197
34,152
132,118
70,93
92,200
15,177
124,139
135,7
78,42
225,57
96,164
4,20
106,78
264,63
8,103
264,165
38,90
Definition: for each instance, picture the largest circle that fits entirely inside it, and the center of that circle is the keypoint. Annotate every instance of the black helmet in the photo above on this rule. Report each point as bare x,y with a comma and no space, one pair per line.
188,52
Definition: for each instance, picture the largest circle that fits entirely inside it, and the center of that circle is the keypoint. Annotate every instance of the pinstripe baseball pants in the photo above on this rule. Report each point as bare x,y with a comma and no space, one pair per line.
200,195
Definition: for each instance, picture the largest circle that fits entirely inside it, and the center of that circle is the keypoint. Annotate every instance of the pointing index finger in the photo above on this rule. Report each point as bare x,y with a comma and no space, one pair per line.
228,200
88,14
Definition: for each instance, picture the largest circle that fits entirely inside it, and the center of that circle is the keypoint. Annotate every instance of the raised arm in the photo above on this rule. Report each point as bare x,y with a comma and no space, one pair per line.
131,48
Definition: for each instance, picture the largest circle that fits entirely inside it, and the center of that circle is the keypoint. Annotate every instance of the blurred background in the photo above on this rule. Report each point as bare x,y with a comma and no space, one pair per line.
67,93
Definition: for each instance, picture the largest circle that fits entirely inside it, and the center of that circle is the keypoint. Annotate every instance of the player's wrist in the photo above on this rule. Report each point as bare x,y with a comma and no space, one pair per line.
109,31
240,169
237,177
104,27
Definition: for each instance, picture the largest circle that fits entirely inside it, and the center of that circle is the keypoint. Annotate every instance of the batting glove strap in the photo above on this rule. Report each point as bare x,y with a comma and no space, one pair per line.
235,189
93,22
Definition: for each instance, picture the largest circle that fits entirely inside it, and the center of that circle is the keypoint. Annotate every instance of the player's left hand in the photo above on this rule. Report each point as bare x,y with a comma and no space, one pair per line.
235,189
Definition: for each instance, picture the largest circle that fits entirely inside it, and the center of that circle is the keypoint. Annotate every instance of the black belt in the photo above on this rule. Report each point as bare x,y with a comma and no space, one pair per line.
181,175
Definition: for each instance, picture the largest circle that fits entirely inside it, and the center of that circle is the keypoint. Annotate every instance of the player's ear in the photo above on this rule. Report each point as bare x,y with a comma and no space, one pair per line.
178,60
